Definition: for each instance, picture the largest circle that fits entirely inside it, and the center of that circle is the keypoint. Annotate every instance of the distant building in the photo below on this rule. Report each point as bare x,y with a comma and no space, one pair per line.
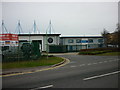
75,43
43,39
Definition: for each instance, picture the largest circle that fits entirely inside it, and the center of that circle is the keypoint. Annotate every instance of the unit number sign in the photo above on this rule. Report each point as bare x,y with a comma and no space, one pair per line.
50,40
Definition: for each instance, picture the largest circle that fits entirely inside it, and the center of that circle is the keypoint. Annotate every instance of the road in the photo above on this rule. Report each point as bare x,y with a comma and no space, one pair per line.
81,72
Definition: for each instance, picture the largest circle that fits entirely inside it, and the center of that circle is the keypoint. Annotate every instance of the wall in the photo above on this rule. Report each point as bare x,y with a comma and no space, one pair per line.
55,41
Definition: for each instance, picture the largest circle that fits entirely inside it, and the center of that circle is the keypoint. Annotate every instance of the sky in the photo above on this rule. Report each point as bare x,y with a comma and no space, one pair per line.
68,18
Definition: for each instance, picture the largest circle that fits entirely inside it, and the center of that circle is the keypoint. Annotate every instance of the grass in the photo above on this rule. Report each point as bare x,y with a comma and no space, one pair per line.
43,61
110,54
91,52
100,53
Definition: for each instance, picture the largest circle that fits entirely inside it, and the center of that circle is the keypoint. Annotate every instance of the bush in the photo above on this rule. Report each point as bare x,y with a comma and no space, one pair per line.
97,51
92,52
101,49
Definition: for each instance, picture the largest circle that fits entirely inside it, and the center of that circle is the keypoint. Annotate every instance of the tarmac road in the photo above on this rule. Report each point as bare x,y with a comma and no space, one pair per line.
81,72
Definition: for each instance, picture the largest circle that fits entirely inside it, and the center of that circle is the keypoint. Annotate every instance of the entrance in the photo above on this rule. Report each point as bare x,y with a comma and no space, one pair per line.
40,44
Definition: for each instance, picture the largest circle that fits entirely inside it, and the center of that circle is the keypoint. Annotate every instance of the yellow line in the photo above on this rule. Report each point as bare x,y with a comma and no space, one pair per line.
67,61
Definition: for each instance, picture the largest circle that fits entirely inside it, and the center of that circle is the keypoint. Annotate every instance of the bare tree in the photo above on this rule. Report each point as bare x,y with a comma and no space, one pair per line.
105,37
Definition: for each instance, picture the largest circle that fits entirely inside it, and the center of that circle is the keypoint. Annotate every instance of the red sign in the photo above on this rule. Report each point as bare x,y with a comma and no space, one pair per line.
8,37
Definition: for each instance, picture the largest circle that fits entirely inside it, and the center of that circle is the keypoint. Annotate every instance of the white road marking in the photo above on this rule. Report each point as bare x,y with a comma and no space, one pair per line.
105,61
42,87
82,65
73,62
100,62
93,77
72,66
95,63
47,86
89,64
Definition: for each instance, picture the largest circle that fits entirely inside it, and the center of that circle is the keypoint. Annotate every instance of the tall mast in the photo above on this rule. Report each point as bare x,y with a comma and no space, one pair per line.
34,26
19,28
35,29
50,27
4,29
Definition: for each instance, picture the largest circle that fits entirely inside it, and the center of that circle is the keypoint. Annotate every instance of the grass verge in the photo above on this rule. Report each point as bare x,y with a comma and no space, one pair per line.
110,54
43,61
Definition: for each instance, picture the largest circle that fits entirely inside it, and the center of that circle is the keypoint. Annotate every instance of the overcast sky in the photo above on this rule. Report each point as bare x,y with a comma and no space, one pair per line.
70,18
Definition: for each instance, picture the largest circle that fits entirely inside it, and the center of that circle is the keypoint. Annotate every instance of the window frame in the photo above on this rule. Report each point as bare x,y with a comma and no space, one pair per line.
70,41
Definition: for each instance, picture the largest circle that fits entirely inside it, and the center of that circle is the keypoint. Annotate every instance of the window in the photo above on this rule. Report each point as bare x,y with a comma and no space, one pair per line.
78,41
90,41
100,40
84,41
70,41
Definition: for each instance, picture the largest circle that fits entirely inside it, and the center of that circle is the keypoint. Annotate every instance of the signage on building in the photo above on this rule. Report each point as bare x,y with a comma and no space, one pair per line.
8,40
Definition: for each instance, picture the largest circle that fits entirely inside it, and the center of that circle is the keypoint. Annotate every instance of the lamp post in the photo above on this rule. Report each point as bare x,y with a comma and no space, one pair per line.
46,45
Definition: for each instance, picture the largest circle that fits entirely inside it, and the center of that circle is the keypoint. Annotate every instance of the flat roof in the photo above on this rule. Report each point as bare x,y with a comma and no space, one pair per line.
38,34
81,37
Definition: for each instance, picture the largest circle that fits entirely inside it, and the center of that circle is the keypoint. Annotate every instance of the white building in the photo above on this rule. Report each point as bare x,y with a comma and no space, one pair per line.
73,43
43,39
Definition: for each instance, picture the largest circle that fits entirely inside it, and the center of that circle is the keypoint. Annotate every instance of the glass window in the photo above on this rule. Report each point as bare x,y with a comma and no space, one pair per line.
70,41
90,40
78,41
84,41
100,40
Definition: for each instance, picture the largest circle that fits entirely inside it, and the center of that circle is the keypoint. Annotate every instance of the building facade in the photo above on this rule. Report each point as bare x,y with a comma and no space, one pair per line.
43,39
75,43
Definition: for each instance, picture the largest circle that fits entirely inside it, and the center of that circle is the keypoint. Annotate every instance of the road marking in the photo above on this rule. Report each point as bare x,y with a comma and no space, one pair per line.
89,64
72,66
100,62
105,61
93,77
42,87
73,62
95,63
82,65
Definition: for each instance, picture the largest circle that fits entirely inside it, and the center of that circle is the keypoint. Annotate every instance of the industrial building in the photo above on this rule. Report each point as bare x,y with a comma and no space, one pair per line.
72,43
43,39
52,42
75,43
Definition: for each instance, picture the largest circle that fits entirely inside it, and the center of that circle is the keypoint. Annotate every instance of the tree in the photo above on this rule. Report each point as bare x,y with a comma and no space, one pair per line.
105,37
117,35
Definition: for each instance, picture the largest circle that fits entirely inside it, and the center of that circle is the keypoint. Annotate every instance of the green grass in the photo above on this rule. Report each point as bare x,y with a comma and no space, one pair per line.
91,52
43,61
110,54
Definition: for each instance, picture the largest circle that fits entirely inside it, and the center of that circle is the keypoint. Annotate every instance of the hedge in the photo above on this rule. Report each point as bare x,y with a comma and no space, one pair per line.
101,49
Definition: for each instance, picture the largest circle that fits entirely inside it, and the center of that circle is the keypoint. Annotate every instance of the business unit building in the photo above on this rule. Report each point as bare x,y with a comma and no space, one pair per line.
72,43
43,39
75,43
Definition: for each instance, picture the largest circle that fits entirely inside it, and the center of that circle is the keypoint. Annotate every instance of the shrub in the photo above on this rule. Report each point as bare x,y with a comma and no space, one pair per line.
101,49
